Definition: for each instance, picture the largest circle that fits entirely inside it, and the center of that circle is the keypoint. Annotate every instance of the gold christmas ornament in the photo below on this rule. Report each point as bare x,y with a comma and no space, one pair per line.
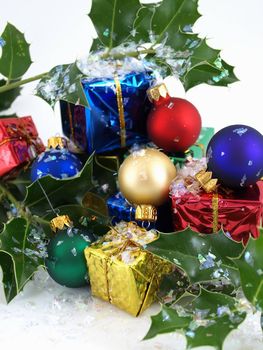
144,180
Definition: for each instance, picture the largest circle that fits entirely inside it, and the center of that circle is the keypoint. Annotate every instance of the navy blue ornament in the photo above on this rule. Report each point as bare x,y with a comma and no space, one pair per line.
56,161
235,156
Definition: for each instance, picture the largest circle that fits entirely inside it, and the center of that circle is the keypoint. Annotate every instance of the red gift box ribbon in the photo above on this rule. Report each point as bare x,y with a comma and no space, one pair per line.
19,132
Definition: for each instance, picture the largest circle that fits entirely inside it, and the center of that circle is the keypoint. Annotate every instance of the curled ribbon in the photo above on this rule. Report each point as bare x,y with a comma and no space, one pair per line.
206,182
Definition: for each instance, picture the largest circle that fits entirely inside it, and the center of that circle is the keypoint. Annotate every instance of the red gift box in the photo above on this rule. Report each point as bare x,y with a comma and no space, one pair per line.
19,143
237,213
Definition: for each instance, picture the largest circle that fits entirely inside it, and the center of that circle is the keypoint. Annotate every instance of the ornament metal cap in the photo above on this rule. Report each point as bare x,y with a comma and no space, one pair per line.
157,91
57,142
146,212
60,222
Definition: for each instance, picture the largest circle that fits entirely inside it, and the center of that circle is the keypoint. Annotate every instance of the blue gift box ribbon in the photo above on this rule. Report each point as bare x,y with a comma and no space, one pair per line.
98,128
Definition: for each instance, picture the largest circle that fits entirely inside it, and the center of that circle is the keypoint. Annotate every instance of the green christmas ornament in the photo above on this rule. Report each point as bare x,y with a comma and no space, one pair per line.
65,262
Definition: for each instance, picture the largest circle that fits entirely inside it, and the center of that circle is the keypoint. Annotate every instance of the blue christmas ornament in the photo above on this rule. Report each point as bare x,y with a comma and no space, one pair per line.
56,161
235,156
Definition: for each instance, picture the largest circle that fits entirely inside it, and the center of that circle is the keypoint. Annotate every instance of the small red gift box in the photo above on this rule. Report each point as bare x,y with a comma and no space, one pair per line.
237,213
19,143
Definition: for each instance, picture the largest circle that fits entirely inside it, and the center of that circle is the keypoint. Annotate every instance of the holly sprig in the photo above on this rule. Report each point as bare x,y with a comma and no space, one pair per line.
160,33
206,310
23,237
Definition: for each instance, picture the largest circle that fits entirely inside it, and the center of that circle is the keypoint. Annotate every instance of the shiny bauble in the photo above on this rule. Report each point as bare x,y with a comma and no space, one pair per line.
59,163
235,156
66,262
145,176
174,124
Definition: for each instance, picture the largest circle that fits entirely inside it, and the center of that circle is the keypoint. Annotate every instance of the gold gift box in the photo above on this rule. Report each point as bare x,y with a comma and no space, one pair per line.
122,272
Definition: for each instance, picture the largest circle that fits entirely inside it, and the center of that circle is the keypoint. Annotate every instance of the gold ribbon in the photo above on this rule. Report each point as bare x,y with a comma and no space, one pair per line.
70,117
206,182
215,212
121,111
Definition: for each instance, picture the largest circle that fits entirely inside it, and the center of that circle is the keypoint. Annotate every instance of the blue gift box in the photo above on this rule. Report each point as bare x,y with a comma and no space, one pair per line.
116,117
120,210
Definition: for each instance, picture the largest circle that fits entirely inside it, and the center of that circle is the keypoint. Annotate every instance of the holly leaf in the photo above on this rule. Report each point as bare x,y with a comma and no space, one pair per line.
59,191
250,266
114,28
206,321
8,97
203,258
15,59
172,16
62,83
182,52
206,66
19,257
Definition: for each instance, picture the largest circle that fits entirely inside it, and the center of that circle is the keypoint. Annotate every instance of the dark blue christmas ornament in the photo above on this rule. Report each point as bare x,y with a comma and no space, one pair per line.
56,161
235,156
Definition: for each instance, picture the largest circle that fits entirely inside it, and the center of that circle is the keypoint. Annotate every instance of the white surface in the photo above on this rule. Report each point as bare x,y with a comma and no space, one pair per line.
49,316
60,31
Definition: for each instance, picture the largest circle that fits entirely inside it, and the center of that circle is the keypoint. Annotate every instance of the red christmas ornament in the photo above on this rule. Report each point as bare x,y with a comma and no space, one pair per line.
174,124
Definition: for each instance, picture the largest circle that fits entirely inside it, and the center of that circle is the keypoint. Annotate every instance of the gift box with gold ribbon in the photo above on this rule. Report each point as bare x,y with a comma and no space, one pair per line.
19,143
199,202
117,112
122,272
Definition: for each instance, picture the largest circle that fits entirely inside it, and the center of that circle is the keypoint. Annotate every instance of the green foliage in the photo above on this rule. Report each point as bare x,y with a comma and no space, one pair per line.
250,266
115,27
59,192
23,238
15,59
8,97
19,257
198,256
167,26
207,320
204,258
62,83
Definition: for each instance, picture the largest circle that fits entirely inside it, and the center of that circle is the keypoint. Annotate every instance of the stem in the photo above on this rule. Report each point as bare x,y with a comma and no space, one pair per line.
11,198
40,220
108,54
117,56
16,84
21,210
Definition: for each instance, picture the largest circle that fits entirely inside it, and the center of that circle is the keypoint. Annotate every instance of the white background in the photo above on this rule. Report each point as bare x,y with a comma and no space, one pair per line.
59,31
